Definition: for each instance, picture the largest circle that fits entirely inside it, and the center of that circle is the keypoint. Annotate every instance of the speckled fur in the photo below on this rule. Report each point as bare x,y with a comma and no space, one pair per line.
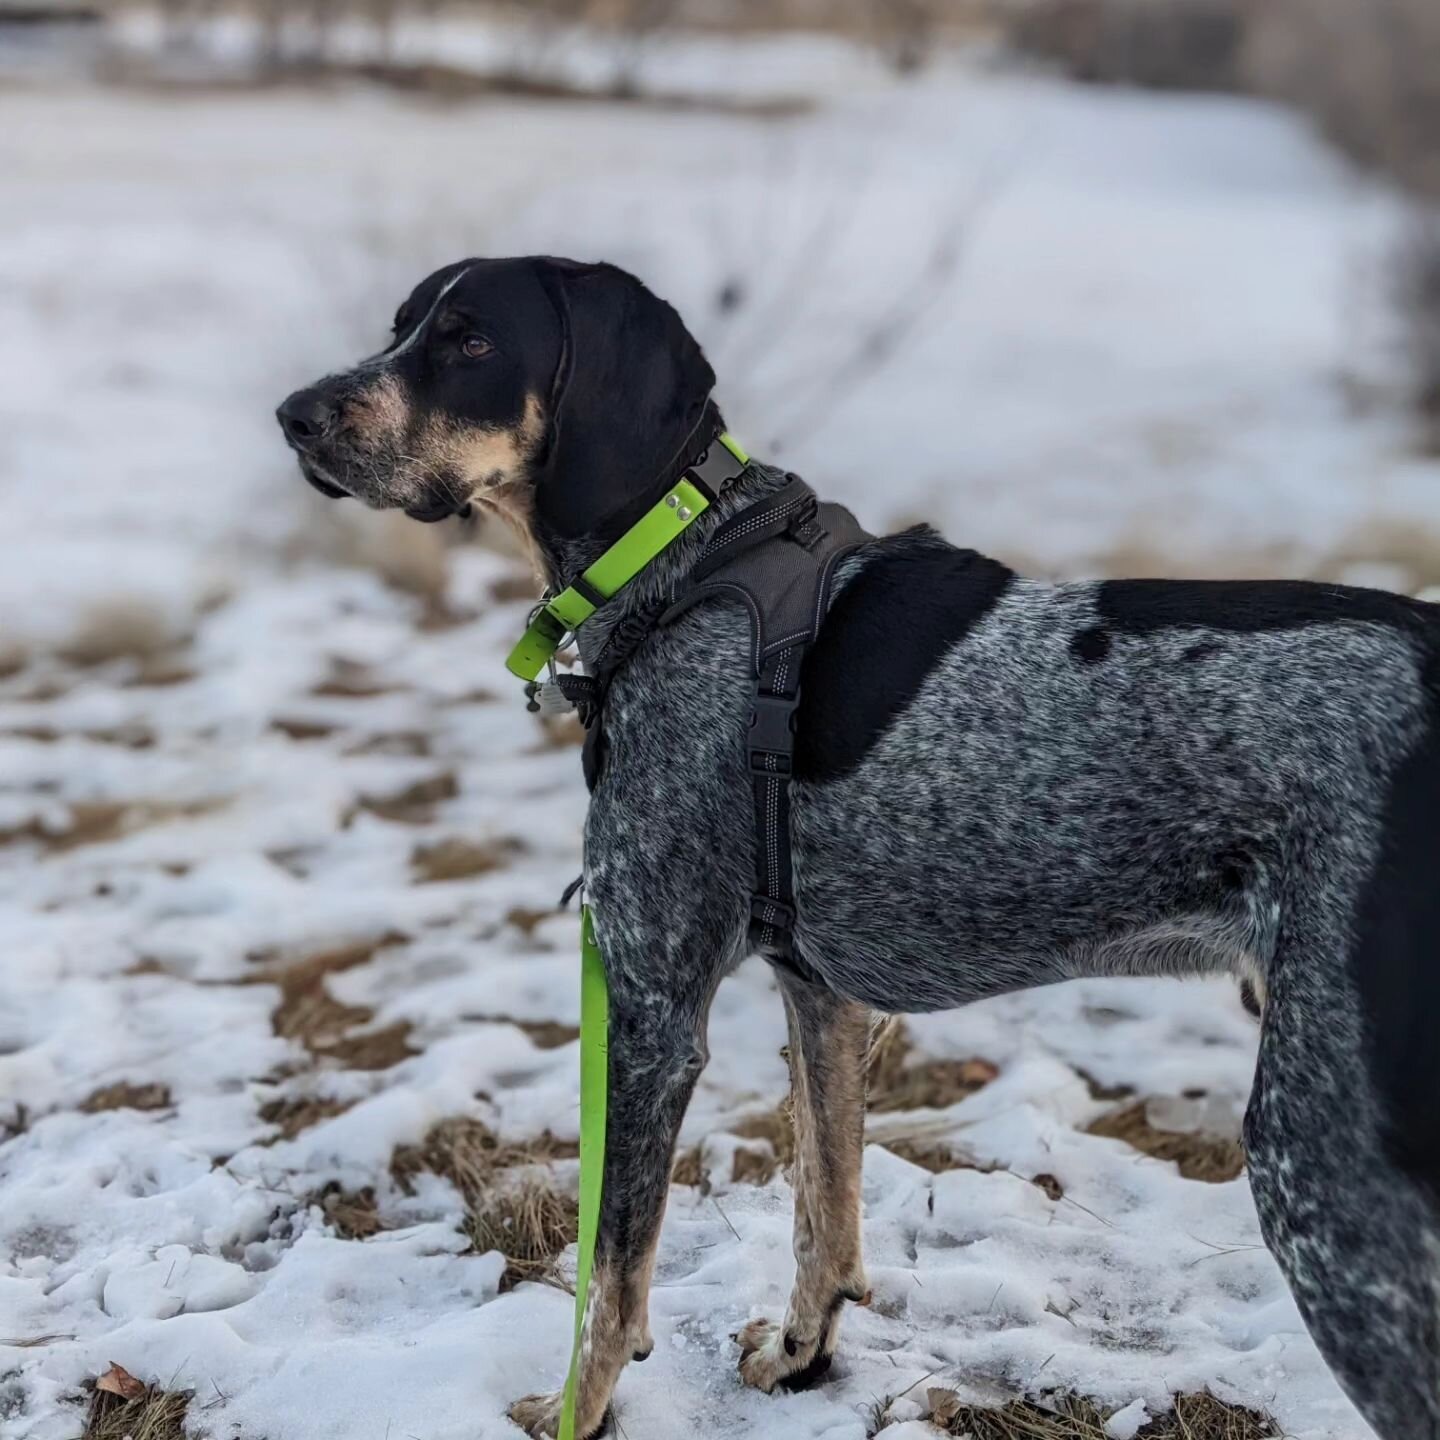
1086,780
1029,819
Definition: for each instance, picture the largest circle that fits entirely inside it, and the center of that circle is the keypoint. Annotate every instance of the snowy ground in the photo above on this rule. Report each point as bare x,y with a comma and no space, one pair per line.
1079,329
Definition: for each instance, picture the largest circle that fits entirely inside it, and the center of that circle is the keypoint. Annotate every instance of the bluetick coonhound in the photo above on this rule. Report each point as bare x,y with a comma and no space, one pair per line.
998,783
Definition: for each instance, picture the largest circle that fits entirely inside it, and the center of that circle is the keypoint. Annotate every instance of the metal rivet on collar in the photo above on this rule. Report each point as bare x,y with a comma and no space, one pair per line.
684,512
672,501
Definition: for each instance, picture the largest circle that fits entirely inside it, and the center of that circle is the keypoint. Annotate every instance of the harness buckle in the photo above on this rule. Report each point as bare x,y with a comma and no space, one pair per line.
771,741
774,913
717,468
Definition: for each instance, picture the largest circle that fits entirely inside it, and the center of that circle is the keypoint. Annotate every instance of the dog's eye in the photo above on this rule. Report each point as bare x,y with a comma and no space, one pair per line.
475,347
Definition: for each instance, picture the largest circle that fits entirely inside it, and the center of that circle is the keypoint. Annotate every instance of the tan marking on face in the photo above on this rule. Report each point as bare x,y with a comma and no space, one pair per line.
380,414
493,467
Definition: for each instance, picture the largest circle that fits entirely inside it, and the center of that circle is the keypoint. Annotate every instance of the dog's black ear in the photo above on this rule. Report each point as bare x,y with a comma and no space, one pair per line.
631,388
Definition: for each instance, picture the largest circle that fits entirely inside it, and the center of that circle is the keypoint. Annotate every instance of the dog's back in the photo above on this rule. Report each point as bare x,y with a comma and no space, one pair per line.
1003,782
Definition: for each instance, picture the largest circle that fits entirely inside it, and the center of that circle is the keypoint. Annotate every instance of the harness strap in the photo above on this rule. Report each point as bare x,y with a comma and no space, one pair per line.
777,558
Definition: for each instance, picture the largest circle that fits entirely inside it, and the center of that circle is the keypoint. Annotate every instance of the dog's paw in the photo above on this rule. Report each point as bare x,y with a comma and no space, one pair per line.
538,1415
769,1357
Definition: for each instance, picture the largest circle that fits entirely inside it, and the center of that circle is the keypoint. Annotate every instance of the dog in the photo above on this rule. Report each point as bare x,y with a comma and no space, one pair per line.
998,783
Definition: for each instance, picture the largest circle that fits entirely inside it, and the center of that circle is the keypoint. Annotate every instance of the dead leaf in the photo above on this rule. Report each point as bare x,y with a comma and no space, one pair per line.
119,1381
944,1405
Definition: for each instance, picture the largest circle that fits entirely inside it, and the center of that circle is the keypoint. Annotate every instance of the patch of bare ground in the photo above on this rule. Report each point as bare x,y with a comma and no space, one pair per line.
294,1114
1212,1158
354,1214
156,672
509,1205
561,732
542,1034
1064,1416
309,1013
413,743
129,737
412,804
899,1081
517,586
456,858
294,729
119,629
124,1408
527,921
350,680
94,822
124,1095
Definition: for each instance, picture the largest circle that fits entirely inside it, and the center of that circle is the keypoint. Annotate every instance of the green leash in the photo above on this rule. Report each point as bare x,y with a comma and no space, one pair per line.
594,1087
552,621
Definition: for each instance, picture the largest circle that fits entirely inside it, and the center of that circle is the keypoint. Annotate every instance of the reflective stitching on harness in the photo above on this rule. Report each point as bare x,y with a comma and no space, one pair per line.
748,527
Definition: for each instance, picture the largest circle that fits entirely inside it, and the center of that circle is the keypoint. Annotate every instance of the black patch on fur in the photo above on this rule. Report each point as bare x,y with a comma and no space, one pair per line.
1200,650
1091,646
811,1375
915,599
1397,961
1144,606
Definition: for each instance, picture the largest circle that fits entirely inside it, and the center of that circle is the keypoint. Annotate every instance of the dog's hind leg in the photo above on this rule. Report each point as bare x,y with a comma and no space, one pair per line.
1354,1233
657,1051
828,1041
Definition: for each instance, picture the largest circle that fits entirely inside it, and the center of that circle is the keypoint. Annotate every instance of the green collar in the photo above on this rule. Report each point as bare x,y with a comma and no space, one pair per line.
563,614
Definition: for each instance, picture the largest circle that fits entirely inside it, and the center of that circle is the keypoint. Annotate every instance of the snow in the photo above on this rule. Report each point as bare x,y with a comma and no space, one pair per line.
1071,327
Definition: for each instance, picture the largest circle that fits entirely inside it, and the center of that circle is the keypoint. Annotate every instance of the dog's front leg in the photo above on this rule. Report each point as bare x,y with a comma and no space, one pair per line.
828,1041
657,1050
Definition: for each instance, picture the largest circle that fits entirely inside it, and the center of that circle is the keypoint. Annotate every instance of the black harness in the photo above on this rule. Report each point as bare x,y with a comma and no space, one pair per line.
777,558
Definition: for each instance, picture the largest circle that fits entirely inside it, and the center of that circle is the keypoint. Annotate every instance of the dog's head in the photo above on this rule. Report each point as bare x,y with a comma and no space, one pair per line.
558,394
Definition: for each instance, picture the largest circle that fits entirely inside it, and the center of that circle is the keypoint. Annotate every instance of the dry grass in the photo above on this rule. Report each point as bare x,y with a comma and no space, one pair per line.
522,1215
1212,1158
1074,1417
125,1096
354,1214
96,822
459,859
118,630
542,1034
529,1222
302,729
309,1013
155,1415
412,804
897,1081
295,1114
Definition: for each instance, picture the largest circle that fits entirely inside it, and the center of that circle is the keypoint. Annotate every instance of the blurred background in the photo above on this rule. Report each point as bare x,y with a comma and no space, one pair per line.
286,1007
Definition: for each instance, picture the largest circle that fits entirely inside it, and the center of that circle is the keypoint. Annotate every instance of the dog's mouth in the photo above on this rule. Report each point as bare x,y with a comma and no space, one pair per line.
436,509
322,483
437,500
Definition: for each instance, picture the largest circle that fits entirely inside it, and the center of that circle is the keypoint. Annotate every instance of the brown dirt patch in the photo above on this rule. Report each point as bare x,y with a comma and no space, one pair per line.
373,1049
521,1215
775,1131
351,681
898,1081
302,729
413,743
412,804
457,859
296,1114
309,1013
154,1415
125,1096
354,1214
509,589
1212,1158
1073,1417
689,1167
542,1034
160,672
527,921
97,821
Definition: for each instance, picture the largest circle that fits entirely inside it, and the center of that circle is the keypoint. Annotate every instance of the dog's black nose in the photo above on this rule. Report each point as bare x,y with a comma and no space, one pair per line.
305,416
